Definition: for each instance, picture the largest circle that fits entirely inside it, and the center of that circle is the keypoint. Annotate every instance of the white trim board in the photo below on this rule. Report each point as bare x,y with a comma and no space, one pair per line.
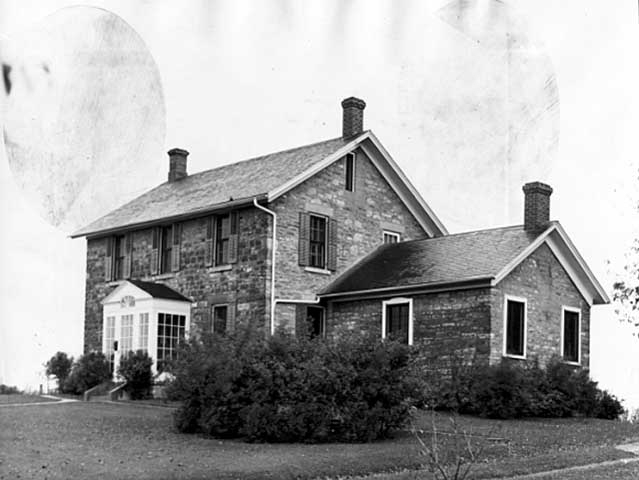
401,186
565,308
569,258
399,301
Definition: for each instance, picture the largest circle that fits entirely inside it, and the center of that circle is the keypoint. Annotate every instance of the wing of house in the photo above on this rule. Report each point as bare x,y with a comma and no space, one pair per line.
256,241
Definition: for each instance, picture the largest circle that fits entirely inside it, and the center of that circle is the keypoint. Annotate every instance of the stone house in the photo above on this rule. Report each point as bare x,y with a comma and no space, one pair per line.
326,234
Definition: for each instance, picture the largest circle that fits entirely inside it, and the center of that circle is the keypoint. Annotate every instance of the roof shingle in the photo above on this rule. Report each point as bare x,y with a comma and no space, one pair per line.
450,258
159,290
203,191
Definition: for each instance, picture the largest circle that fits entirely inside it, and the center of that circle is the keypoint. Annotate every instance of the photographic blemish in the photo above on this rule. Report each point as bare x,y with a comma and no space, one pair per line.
6,78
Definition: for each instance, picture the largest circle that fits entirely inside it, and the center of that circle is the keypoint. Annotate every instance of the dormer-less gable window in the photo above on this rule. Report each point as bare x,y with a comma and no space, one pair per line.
349,167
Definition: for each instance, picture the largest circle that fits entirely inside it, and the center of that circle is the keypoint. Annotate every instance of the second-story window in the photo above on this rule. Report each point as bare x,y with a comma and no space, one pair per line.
166,246
317,245
349,166
222,239
119,258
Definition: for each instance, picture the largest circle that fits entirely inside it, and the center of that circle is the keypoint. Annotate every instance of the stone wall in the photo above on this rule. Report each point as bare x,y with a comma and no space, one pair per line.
450,327
545,285
361,216
243,286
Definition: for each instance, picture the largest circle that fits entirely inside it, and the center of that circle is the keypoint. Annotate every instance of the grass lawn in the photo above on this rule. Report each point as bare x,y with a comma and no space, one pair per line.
119,441
17,398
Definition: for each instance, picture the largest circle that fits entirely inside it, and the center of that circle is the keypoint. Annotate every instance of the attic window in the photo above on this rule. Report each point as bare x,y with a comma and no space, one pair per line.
391,237
349,167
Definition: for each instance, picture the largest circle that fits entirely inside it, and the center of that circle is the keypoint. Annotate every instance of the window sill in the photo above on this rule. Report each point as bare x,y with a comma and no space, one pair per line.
160,276
321,271
221,268
570,362
514,357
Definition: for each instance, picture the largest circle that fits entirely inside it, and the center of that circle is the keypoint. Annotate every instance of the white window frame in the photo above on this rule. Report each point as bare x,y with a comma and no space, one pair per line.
390,233
564,309
218,305
399,301
354,157
505,327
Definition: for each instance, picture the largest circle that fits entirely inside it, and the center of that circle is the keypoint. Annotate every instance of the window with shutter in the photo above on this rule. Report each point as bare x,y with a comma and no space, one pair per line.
155,256
108,260
119,254
166,247
234,237
304,233
317,242
175,252
208,242
128,256
222,239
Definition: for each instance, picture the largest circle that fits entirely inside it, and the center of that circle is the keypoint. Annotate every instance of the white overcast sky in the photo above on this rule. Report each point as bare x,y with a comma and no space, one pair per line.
240,79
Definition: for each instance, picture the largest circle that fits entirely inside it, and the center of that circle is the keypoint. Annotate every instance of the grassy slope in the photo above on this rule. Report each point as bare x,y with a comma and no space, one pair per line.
81,440
18,398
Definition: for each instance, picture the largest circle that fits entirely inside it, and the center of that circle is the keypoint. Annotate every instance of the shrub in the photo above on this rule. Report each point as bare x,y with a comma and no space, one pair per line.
89,370
135,368
59,366
514,390
353,387
8,390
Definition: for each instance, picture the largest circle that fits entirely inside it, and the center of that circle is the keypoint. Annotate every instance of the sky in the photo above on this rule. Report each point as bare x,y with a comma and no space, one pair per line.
472,98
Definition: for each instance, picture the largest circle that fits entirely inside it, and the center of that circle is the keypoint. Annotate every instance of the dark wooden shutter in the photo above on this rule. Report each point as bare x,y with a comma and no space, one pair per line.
230,317
155,243
175,251
208,242
332,245
108,260
128,254
304,238
234,237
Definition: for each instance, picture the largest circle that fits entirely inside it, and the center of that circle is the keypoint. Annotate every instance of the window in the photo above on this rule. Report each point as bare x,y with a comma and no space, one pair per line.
570,334
119,257
109,341
219,319
317,245
391,237
397,320
126,333
315,321
222,239
349,167
515,328
166,246
143,332
171,330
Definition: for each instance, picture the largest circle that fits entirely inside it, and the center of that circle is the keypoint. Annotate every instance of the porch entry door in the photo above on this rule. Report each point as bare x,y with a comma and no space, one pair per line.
122,340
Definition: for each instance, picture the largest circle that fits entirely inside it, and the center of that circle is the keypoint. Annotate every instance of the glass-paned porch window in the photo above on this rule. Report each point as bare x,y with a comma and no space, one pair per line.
171,330
143,332
109,339
126,333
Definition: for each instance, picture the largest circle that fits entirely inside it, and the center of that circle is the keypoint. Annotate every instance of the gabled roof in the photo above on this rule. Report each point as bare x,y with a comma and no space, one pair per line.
465,259
159,290
153,290
263,178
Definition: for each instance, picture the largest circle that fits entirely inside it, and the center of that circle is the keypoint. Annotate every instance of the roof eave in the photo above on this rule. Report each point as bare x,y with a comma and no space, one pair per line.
430,287
171,219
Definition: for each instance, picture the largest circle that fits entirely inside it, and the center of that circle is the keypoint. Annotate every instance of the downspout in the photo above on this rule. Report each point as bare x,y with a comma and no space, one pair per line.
273,249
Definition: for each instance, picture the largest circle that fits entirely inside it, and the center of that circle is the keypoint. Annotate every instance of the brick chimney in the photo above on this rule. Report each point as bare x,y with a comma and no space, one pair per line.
536,205
177,164
353,117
